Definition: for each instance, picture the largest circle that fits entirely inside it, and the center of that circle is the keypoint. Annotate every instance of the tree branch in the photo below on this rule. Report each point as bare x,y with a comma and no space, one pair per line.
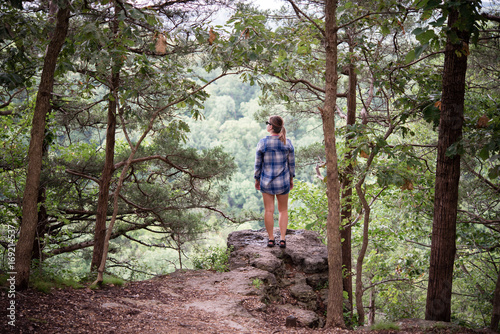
491,17
76,173
482,178
385,281
303,81
480,220
414,62
89,243
365,15
6,103
299,12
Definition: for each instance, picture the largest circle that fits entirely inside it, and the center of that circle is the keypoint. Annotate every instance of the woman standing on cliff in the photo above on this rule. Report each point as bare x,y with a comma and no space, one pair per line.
274,173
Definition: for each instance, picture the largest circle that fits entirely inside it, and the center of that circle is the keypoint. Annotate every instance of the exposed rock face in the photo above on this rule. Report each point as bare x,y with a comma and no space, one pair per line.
296,276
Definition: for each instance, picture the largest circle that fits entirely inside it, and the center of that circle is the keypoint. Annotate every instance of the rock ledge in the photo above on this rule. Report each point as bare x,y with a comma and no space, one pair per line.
295,276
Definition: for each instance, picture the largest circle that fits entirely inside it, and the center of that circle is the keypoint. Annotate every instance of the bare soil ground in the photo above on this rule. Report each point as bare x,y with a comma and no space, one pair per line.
185,302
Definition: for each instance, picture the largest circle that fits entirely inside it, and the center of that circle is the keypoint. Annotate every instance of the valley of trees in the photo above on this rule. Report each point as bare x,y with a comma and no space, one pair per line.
128,133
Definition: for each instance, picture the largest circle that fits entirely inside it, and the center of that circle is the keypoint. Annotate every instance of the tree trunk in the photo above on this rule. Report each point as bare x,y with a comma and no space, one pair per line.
364,244
41,228
347,177
335,298
109,230
108,169
443,247
29,222
362,251
371,315
43,218
495,317
107,173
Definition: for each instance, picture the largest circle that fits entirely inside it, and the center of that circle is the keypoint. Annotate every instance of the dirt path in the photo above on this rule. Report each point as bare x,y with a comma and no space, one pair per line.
185,302
182,302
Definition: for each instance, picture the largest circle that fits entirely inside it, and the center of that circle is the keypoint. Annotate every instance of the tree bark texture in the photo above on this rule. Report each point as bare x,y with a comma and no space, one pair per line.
443,246
362,252
372,308
41,228
108,169
43,218
109,230
335,297
346,211
24,247
105,182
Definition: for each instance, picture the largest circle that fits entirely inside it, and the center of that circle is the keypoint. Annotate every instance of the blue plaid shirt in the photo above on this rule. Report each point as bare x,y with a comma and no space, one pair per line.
274,165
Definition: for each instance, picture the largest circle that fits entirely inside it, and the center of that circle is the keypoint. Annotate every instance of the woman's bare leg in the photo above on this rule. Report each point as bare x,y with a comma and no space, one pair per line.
268,214
283,211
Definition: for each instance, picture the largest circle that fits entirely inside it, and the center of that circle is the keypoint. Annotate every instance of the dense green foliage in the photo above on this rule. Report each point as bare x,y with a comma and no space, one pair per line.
216,258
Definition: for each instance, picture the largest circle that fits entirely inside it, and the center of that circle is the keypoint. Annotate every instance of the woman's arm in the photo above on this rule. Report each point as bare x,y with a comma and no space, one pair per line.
291,161
259,159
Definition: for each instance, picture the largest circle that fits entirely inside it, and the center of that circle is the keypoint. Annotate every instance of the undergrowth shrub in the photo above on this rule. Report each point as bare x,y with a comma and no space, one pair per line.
384,326
46,281
214,258
108,280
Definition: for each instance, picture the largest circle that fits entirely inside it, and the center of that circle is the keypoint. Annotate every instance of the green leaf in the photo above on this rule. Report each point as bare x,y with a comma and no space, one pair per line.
410,56
494,172
385,30
426,15
484,153
417,31
452,35
439,22
426,36
419,49
381,142
455,149
431,114
432,4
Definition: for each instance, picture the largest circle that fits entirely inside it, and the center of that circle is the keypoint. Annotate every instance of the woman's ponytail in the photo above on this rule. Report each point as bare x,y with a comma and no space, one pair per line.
282,135
278,127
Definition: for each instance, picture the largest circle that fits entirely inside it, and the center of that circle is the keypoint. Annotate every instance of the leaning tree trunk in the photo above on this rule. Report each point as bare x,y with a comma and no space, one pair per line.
108,169
109,230
105,181
347,177
335,297
366,229
43,217
443,247
24,247
362,252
